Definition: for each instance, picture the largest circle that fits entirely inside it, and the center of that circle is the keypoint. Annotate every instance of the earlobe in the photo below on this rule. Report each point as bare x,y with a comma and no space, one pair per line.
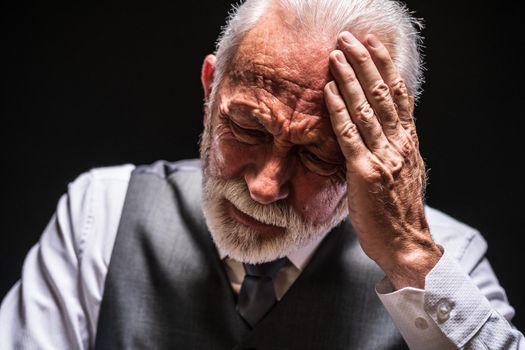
208,68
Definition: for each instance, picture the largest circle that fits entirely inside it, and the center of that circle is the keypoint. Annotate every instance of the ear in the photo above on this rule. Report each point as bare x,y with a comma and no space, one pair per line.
208,68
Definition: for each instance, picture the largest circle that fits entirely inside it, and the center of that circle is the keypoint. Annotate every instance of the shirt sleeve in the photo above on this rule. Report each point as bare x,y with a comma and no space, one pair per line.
456,310
55,303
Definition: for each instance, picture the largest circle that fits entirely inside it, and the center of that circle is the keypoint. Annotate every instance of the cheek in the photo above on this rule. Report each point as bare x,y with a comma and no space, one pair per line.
228,158
317,197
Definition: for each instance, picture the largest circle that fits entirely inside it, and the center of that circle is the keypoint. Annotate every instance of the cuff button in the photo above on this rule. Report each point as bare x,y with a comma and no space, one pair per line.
443,310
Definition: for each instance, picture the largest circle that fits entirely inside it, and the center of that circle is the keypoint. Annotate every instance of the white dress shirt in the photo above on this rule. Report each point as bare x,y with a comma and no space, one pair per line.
56,303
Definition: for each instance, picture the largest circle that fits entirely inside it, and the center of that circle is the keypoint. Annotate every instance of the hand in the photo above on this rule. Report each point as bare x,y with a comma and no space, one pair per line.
372,116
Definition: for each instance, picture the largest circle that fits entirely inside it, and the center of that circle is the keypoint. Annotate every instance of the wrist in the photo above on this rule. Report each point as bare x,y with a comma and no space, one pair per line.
409,264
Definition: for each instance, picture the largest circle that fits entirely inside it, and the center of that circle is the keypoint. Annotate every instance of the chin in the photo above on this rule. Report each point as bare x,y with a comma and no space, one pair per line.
280,230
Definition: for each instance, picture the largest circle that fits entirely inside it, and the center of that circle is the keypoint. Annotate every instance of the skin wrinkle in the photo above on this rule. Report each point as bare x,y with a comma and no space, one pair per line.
282,89
287,58
277,76
299,128
301,94
227,99
283,78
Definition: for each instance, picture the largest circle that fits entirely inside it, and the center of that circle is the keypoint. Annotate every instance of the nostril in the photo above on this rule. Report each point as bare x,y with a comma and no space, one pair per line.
269,182
266,192
260,198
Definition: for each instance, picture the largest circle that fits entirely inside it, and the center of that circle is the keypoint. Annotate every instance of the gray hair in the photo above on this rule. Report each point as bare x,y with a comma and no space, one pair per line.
388,19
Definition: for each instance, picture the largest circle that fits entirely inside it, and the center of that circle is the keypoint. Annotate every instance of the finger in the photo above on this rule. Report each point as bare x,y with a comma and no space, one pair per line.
386,67
358,106
345,130
375,88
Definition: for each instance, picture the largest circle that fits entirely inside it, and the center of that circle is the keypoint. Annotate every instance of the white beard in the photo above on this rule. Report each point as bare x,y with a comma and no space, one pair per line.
246,244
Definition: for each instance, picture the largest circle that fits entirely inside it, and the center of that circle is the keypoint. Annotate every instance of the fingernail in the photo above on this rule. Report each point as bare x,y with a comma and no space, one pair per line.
349,38
340,57
333,88
373,42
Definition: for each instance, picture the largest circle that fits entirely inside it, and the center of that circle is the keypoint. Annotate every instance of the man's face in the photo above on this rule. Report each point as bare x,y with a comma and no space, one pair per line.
273,171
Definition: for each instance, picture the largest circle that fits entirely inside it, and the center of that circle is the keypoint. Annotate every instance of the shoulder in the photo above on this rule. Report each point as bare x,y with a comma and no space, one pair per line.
184,177
165,169
98,187
95,199
461,241
121,173
107,186
93,204
88,186
101,176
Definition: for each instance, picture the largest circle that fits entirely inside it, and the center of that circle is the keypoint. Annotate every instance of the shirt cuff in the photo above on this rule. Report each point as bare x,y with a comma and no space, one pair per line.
454,302
449,311
406,308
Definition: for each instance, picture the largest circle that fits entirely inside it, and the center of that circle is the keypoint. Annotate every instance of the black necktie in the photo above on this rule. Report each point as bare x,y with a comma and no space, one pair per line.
257,294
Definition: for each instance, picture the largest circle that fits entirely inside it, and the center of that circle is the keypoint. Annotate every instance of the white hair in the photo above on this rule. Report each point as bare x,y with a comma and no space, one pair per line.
388,19
246,244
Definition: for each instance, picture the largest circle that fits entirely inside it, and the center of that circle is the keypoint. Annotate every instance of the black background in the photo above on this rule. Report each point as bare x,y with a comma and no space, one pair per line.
93,84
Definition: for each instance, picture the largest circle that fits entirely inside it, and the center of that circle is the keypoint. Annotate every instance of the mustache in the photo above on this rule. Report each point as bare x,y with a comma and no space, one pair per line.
278,213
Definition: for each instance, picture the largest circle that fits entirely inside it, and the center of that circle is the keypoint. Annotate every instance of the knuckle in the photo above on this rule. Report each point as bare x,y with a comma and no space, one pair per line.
348,77
399,88
348,130
364,112
377,177
362,57
381,92
392,160
405,147
340,109
396,164
374,176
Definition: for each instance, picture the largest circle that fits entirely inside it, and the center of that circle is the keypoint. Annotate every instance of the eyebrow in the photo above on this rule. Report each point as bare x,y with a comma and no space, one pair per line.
329,151
251,116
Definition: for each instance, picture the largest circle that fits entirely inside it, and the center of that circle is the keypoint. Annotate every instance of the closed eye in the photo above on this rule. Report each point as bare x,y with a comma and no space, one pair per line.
318,165
311,156
248,135
252,132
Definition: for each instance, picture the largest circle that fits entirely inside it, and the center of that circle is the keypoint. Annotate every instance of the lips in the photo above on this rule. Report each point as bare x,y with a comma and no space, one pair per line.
251,222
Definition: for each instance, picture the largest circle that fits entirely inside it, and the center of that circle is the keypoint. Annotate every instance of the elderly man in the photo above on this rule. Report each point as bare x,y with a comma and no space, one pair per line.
307,228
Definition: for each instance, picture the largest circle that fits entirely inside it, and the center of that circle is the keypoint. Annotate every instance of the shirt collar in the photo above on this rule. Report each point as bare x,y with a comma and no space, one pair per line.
299,258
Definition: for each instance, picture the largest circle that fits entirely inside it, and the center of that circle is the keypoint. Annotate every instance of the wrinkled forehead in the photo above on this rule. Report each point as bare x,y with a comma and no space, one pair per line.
285,63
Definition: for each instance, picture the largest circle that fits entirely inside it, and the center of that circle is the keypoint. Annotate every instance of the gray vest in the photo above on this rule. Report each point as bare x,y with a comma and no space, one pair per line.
166,287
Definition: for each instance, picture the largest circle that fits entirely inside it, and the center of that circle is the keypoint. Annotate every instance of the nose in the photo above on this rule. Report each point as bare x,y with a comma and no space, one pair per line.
270,181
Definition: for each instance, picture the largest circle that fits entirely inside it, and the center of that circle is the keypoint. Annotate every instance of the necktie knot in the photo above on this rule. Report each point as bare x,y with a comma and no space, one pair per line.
267,269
